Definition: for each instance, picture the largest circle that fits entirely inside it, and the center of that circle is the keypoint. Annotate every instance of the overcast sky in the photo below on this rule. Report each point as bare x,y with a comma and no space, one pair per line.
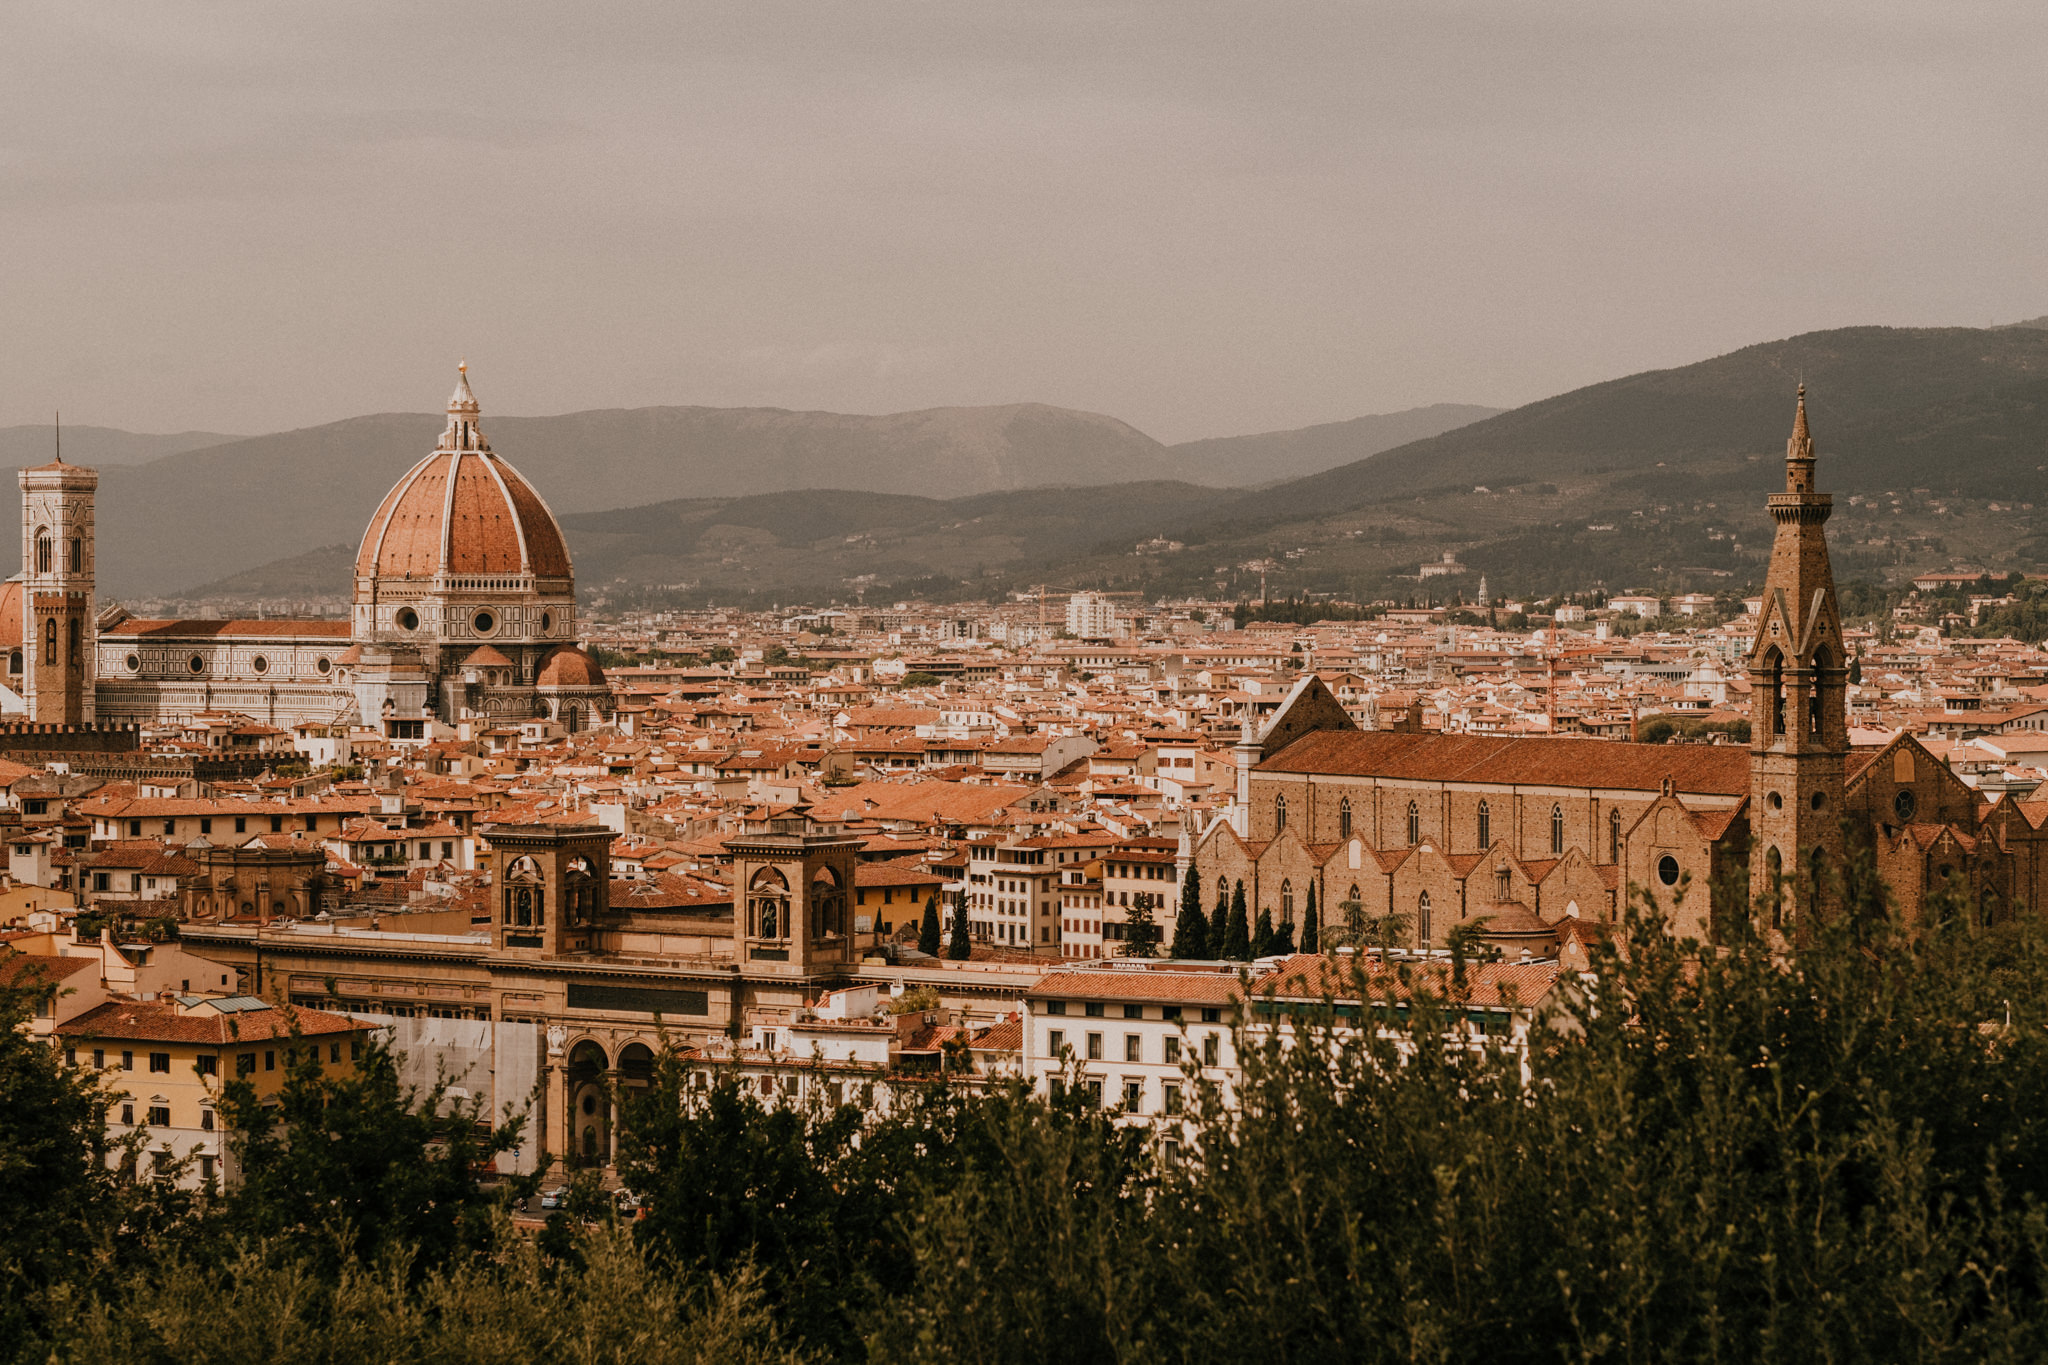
1204,219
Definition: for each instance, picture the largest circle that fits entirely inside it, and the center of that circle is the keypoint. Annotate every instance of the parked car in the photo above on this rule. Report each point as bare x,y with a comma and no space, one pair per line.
554,1198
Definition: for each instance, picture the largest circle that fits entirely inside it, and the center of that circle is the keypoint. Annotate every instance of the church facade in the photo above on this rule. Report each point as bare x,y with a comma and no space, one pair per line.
1539,838
464,607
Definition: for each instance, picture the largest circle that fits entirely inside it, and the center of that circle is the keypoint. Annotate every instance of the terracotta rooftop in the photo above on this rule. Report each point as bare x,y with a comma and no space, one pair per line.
1704,769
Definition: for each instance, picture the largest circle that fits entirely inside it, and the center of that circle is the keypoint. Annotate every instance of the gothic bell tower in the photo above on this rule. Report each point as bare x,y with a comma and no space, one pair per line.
57,630
1799,724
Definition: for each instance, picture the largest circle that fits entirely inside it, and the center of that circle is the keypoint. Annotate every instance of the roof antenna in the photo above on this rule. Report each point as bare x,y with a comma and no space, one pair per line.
60,437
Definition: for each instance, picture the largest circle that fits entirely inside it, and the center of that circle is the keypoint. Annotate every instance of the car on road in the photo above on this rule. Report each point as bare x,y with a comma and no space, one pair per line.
554,1198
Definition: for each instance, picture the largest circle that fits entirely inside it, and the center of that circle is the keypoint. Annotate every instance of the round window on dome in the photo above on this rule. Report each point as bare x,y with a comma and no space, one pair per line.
134,662
484,622
547,622
260,664
408,619
197,663
322,664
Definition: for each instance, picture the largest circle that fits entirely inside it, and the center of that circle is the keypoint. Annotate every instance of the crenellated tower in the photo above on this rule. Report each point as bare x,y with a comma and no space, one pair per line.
1799,679
58,639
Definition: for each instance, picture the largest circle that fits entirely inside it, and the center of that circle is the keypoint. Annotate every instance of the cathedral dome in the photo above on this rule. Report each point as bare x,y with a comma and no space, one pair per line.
462,511
569,666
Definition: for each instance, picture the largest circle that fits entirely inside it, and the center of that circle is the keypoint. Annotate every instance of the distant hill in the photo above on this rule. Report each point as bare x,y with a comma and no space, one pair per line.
1956,408
21,447
254,500
1652,478
1247,461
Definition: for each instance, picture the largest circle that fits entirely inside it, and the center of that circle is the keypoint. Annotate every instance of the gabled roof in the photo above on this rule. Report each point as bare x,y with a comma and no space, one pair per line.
1704,769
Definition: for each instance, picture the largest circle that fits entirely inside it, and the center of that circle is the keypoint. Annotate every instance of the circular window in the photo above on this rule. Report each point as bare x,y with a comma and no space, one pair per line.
484,622
1819,799
1667,870
590,1104
134,662
197,663
1904,804
1775,801
322,664
547,622
408,619
260,664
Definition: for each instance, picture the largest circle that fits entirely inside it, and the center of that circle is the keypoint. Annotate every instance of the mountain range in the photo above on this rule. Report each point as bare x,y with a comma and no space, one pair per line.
254,500
1653,478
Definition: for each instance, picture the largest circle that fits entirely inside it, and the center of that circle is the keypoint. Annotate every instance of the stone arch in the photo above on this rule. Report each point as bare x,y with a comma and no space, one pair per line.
828,904
590,1104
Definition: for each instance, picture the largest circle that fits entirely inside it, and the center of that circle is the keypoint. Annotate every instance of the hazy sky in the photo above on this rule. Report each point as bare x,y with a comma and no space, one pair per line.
1204,219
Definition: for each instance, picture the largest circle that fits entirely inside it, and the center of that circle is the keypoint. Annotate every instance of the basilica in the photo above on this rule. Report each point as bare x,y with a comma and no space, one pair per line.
1531,842
464,609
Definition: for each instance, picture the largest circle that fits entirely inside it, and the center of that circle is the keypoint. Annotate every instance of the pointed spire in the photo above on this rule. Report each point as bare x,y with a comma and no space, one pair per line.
1800,447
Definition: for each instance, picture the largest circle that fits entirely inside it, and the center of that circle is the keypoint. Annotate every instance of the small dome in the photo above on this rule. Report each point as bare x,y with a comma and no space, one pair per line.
569,666
10,614
462,510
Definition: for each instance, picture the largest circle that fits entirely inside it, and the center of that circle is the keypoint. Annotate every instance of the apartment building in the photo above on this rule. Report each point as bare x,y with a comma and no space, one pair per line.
1133,1033
167,1060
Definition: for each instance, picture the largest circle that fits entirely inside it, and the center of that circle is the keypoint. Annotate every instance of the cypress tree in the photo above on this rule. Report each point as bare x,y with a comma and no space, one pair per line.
1141,930
959,949
1219,923
928,932
1311,925
1262,934
1283,940
1191,927
1237,938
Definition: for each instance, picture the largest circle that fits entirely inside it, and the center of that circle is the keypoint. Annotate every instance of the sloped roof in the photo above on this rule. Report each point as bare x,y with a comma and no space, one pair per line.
1707,769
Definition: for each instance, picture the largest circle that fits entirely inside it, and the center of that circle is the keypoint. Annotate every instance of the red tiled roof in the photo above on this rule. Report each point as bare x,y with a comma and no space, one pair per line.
1154,984
1708,769
267,629
154,1022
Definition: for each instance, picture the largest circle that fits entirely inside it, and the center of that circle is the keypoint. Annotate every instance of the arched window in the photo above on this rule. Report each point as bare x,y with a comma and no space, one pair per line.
43,551
1821,661
767,899
1414,824
1774,682
1279,814
77,555
1485,826
1774,864
1422,927
1222,889
1502,882
1287,902
526,899
1344,818
1354,893
77,650
49,639
1614,836
1557,829
828,904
